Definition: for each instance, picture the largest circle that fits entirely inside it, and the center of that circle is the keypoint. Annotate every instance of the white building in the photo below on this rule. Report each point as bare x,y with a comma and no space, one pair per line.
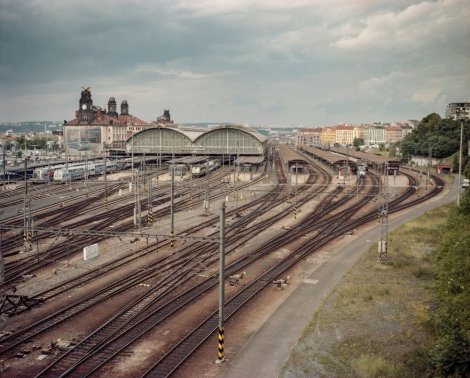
458,110
374,135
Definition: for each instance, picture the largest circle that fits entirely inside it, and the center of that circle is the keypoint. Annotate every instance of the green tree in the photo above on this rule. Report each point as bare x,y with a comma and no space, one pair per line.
465,164
442,135
358,142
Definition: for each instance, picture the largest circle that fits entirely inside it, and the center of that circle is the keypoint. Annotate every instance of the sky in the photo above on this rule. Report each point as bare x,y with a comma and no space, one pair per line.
283,63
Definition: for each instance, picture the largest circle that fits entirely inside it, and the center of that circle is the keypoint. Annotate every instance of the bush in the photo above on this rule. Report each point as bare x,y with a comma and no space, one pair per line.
451,320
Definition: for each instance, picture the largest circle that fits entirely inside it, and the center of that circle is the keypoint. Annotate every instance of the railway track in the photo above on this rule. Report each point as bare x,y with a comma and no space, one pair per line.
107,351
29,264
188,297
167,364
242,222
191,255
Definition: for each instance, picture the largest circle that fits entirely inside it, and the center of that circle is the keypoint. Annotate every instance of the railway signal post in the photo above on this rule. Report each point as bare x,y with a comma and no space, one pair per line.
149,204
137,209
383,243
172,204
105,182
28,220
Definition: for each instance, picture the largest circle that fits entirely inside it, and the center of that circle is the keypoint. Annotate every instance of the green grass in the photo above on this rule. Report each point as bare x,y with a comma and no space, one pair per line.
376,321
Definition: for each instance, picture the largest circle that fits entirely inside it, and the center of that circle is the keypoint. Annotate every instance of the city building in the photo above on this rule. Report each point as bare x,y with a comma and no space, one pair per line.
328,136
94,129
374,135
180,140
345,135
393,134
308,137
458,110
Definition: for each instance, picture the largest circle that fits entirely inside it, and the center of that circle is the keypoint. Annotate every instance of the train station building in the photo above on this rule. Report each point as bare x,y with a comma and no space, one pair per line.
221,140
95,130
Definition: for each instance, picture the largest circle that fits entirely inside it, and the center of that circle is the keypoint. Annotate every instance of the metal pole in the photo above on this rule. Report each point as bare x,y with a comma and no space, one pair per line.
105,182
149,205
206,201
220,345
295,200
132,157
190,190
2,269
172,203
28,224
86,170
4,163
383,243
460,163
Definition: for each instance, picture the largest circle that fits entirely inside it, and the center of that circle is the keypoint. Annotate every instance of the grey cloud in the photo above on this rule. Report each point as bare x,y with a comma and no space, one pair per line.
267,61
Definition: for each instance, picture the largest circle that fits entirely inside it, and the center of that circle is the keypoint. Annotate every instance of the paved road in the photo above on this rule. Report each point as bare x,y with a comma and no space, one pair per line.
267,351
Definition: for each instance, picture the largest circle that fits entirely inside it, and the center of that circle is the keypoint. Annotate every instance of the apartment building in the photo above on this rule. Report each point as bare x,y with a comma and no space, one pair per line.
458,110
393,134
328,136
345,135
308,137
374,135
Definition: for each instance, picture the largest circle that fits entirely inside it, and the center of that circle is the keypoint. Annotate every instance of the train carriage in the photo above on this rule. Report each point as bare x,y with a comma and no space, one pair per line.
204,168
75,172
45,174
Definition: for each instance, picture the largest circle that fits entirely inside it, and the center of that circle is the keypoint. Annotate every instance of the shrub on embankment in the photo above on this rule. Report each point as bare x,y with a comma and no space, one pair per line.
451,319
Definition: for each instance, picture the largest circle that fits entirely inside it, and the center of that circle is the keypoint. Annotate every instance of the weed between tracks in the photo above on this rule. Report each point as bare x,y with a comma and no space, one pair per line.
376,322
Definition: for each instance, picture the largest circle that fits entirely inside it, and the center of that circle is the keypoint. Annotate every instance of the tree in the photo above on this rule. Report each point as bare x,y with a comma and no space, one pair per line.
37,142
443,135
358,142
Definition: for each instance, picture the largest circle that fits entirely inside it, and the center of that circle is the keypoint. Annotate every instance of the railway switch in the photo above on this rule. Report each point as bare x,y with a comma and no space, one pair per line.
282,282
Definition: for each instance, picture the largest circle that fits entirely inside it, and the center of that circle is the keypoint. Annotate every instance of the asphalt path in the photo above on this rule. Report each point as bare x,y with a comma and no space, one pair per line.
268,349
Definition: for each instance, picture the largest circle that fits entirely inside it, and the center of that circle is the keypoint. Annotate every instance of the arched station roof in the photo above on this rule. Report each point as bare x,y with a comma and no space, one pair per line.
160,139
226,139
231,139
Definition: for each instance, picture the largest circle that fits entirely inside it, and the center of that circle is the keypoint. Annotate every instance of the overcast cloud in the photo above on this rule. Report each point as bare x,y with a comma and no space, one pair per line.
280,62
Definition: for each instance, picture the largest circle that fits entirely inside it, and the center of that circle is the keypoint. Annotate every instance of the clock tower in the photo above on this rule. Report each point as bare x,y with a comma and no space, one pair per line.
85,106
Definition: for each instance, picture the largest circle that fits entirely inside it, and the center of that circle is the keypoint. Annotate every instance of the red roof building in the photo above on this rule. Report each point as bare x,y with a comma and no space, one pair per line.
94,129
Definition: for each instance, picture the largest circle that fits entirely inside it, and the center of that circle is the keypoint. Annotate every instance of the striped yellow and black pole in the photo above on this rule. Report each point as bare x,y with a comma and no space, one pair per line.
27,238
150,216
220,345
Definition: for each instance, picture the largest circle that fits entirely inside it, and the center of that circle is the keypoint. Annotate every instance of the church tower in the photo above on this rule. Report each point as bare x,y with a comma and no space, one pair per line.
112,107
124,107
86,106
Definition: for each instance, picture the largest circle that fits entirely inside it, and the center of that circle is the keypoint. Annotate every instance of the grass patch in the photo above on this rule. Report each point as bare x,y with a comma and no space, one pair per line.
424,272
372,366
399,261
376,321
